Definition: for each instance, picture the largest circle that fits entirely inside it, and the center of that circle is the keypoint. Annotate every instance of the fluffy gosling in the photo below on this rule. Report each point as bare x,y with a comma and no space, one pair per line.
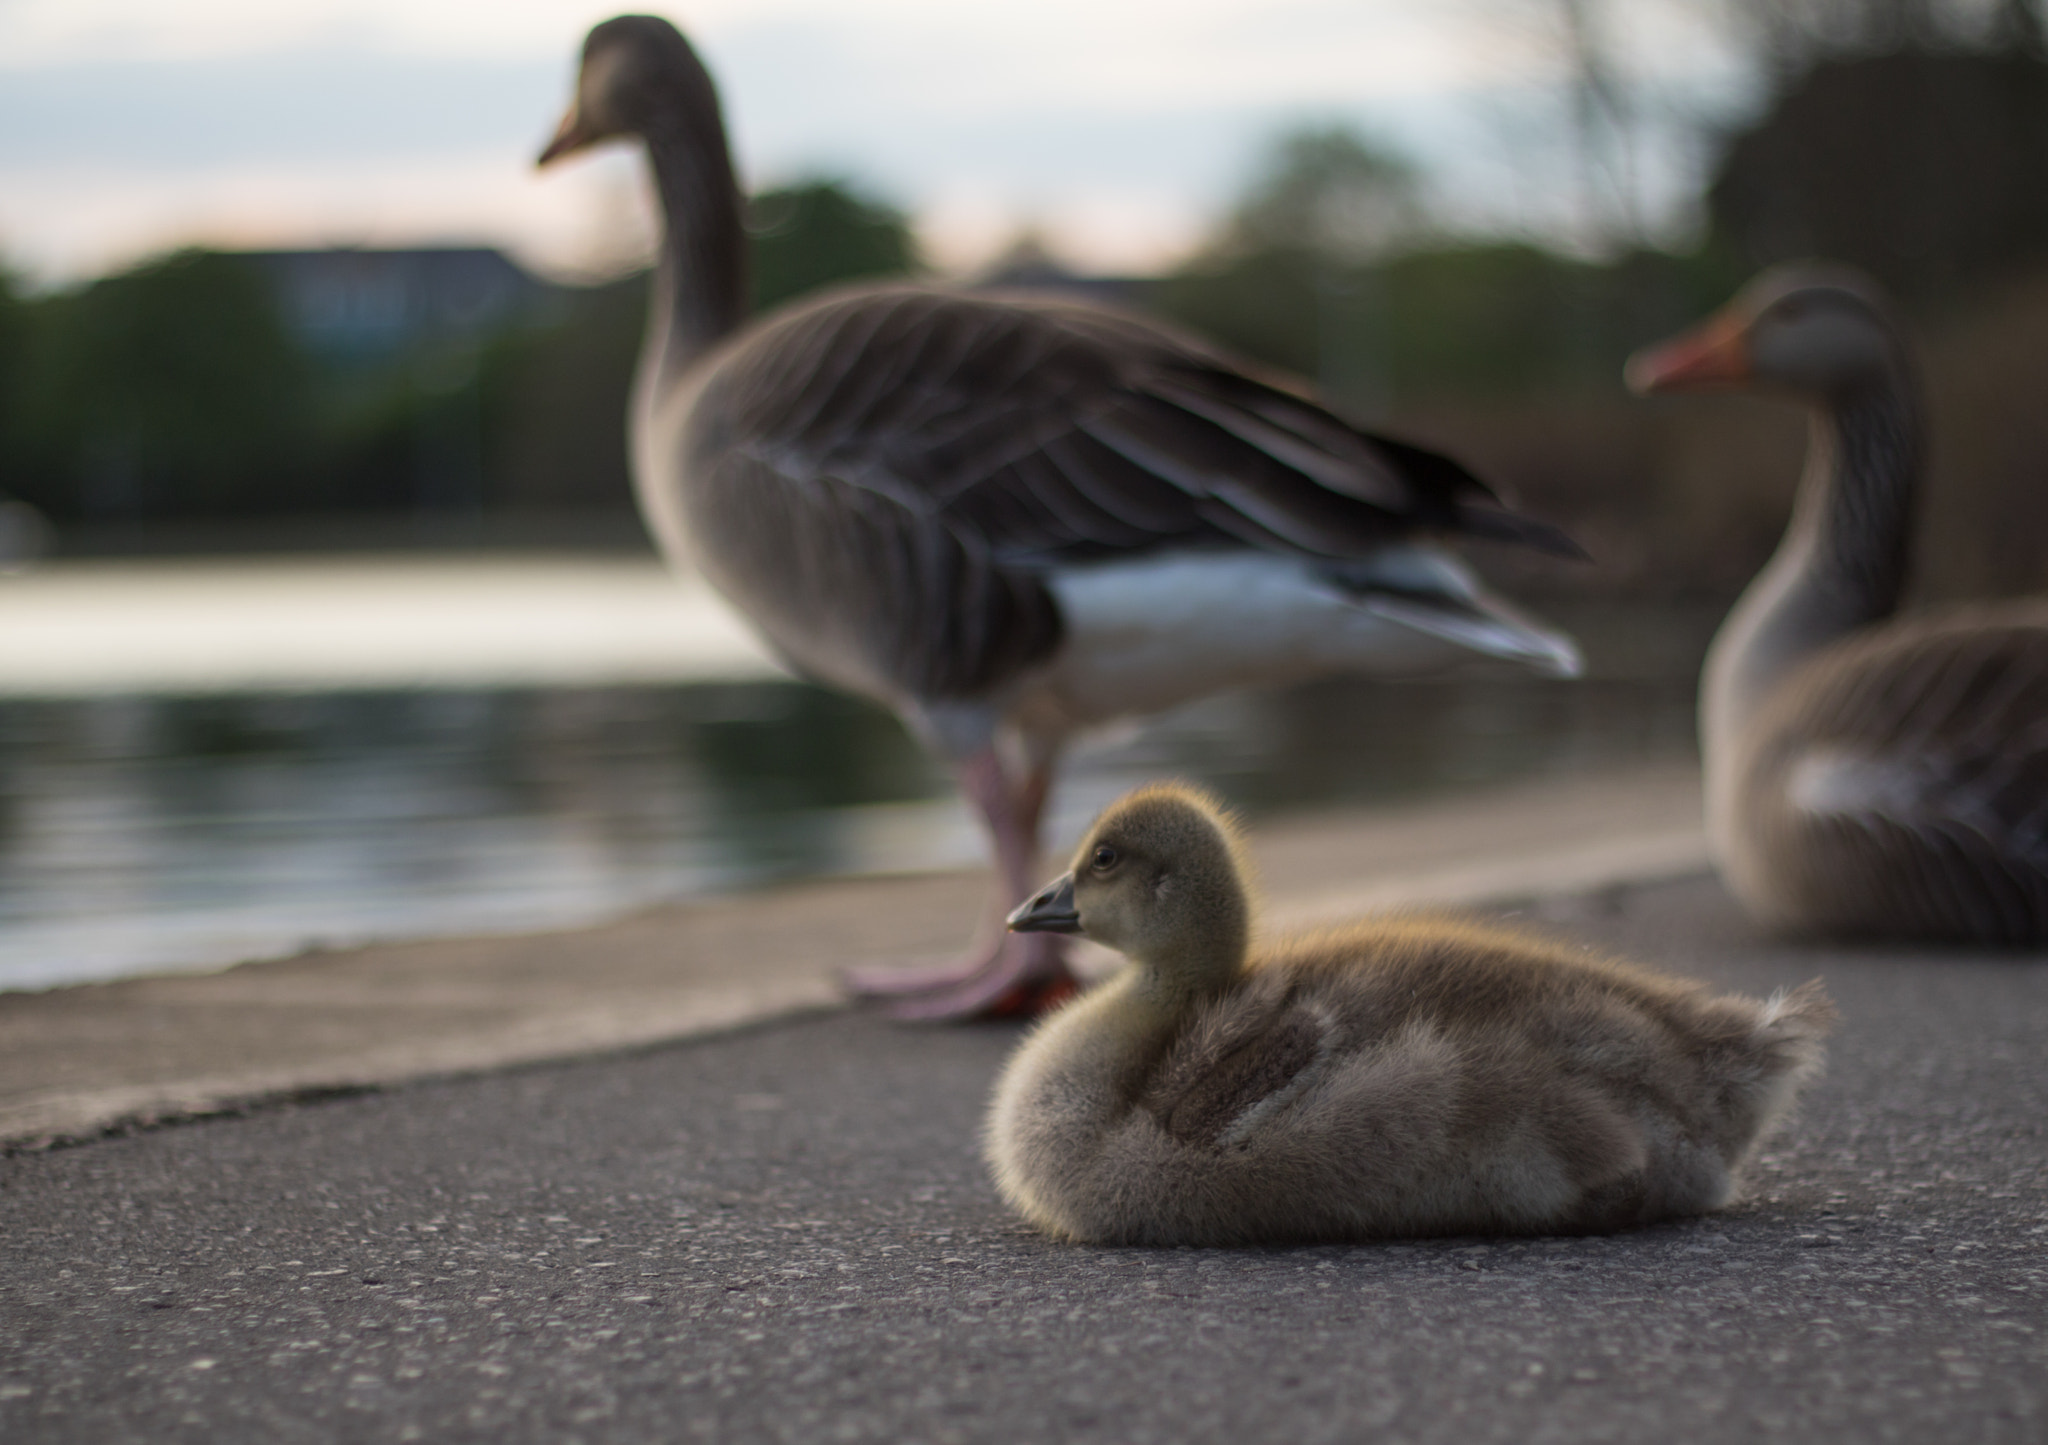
1401,1076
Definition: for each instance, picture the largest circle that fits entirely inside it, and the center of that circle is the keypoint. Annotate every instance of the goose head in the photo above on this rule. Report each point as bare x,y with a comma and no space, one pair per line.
636,71
1160,878
1811,332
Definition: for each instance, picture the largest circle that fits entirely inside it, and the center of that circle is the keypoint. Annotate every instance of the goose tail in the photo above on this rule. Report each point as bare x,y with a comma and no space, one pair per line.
1487,624
1430,590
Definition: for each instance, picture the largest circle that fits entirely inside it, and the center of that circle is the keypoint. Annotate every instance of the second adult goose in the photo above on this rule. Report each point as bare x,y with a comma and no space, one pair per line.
1864,775
1011,518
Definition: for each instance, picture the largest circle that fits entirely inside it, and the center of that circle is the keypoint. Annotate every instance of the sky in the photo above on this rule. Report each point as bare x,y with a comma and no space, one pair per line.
1117,130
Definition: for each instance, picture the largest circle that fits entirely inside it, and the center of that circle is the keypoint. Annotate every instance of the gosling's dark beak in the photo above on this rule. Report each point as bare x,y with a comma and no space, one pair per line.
1050,910
569,136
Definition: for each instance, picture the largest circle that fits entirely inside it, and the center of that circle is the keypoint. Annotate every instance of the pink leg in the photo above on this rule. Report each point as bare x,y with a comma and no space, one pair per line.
1002,972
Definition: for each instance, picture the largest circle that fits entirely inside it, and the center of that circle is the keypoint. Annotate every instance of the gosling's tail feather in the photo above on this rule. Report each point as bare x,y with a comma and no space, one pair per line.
1787,1051
1793,1025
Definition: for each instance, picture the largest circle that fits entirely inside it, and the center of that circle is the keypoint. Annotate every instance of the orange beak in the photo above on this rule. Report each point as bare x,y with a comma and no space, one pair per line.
569,136
1713,356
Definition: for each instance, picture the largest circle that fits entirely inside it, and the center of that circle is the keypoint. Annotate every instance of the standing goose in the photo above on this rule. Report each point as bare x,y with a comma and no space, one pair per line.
1398,1076
1005,517
1864,776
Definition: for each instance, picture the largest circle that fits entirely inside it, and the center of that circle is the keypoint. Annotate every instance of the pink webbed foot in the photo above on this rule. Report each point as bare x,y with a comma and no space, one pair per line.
1016,973
1023,975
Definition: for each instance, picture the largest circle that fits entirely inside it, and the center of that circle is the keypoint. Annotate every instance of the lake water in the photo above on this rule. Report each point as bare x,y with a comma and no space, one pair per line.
151,834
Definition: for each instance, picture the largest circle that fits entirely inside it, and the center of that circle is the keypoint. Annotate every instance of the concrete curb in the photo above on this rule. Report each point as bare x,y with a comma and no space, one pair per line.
77,1062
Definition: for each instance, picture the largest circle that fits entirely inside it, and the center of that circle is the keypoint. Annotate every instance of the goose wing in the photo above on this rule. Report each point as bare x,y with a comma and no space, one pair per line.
1044,432
1917,760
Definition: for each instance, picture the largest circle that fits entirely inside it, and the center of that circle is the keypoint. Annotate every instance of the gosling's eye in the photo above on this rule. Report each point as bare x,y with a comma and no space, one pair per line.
1104,859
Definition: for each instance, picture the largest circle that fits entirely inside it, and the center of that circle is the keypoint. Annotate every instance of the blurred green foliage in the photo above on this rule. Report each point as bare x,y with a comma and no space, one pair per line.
1461,319
176,391
821,233
1927,168
1329,191
555,400
174,385
1323,269
14,318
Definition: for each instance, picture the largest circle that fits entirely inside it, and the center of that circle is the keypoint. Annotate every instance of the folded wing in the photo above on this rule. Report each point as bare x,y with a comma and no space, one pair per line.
1049,433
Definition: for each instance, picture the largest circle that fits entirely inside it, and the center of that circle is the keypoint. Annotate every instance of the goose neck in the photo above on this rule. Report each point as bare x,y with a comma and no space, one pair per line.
1842,563
1851,518
700,274
1114,1035
1198,960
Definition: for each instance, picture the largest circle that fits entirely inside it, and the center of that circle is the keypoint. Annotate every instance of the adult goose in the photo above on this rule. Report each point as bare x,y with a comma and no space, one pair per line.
1864,776
1398,1076
1010,518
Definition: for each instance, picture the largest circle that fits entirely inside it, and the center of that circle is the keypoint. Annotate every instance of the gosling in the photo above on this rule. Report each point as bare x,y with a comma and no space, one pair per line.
1398,1077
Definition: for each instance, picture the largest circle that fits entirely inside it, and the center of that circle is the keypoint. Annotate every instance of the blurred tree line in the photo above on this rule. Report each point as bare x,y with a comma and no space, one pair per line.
178,391
1907,136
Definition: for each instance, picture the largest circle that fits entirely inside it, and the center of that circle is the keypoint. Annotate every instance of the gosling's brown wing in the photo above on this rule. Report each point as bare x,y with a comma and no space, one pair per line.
1217,1076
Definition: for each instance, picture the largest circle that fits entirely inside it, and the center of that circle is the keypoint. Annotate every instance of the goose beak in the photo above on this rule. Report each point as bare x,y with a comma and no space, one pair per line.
1050,910
569,136
1711,357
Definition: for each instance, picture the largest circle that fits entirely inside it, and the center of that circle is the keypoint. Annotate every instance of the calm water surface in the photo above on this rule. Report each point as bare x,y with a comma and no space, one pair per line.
148,834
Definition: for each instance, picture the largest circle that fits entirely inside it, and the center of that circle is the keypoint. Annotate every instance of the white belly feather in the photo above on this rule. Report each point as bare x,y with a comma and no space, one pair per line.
1150,634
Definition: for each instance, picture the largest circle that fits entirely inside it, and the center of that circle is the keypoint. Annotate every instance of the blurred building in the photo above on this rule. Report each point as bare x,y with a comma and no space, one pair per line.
1029,265
357,306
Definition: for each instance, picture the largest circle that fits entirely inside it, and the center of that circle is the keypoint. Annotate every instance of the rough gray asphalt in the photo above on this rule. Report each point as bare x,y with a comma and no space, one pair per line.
786,1235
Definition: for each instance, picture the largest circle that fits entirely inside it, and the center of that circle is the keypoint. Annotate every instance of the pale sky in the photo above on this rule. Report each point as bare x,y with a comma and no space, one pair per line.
1118,129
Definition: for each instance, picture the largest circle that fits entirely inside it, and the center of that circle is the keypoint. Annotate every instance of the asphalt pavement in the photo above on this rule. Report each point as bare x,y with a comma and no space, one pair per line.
784,1234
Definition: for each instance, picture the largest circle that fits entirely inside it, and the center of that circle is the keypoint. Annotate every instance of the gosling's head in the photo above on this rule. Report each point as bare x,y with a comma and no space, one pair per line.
1160,878
1810,331
636,69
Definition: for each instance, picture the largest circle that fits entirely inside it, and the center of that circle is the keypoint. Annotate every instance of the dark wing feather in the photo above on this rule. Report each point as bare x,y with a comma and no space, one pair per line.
936,617
1216,1076
1055,432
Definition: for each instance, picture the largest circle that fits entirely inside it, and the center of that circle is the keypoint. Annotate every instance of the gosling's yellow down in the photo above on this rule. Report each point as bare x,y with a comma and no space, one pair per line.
1402,1076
